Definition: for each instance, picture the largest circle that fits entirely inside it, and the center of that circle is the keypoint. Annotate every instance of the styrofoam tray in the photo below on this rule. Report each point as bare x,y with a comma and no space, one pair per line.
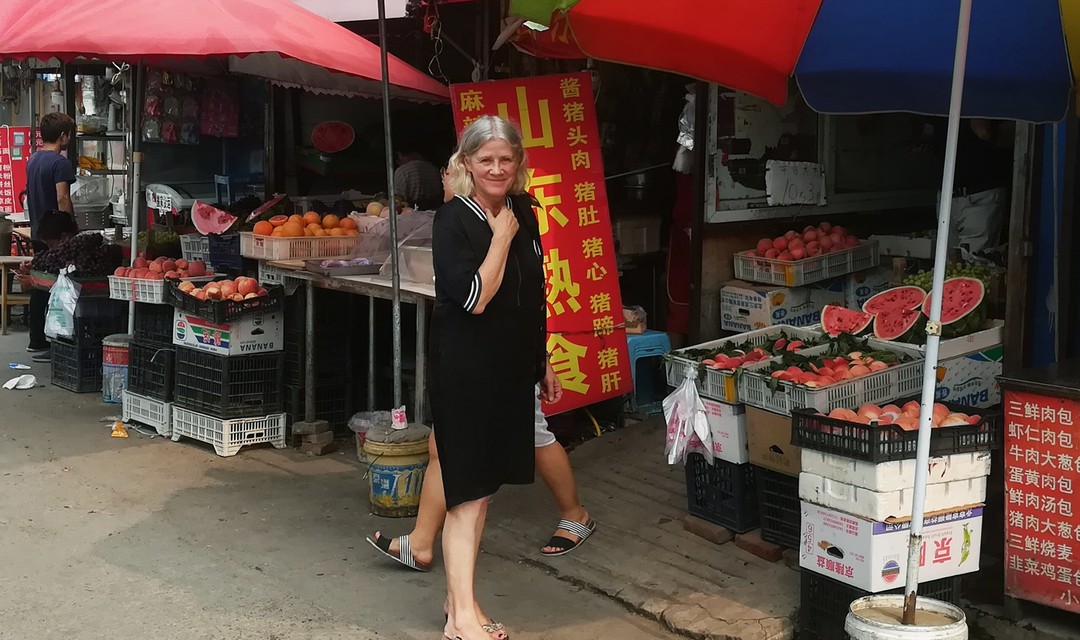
152,413
752,268
897,475
228,436
988,338
719,384
880,387
882,505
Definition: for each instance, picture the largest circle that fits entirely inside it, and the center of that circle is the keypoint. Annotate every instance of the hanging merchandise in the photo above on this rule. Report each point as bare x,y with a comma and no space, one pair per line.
684,156
170,109
64,296
684,413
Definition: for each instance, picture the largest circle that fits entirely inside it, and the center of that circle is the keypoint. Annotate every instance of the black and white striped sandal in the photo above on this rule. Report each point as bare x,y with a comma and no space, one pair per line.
404,555
566,545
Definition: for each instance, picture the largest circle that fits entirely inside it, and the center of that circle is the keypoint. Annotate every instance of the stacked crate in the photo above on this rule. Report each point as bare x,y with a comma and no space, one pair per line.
77,360
151,368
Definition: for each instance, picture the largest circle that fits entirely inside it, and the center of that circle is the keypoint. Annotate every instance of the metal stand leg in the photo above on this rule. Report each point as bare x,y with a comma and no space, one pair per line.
421,353
309,352
371,355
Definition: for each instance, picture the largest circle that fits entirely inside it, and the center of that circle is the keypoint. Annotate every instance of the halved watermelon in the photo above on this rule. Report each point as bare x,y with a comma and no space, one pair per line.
332,136
209,219
898,324
961,306
836,320
906,297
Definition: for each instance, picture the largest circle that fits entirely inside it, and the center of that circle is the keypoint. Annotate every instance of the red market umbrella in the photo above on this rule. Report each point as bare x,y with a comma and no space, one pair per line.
748,44
272,39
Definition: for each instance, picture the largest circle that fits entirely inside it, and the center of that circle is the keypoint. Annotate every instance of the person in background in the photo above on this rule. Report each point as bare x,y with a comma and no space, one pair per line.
49,176
53,228
416,179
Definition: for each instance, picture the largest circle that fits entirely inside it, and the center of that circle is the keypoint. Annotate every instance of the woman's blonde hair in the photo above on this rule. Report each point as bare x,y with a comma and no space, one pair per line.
483,130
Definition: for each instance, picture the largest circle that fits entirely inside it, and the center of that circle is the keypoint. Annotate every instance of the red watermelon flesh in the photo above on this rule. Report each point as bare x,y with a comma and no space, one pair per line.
895,324
208,219
836,320
332,136
906,297
960,296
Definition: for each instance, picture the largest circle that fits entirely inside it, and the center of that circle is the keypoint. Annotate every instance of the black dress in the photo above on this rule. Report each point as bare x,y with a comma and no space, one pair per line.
484,367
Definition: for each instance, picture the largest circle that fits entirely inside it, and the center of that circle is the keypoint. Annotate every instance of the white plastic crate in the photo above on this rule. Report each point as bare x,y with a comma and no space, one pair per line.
142,290
751,268
719,384
880,506
271,248
195,246
152,413
880,387
228,436
269,274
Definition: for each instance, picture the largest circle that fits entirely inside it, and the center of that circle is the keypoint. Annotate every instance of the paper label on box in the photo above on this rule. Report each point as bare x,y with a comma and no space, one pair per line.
744,307
727,424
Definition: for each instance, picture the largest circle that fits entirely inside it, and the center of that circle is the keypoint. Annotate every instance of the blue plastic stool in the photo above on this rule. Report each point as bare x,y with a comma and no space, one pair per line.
650,384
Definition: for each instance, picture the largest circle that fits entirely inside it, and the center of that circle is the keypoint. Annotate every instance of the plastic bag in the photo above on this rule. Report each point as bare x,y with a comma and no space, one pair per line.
684,158
63,297
685,416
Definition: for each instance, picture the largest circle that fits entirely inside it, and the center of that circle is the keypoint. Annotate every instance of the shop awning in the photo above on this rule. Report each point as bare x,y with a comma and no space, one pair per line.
277,40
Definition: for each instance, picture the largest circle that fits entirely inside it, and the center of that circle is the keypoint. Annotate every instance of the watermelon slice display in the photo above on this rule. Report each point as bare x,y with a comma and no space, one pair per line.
961,306
906,297
208,219
898,324
332,136
836,320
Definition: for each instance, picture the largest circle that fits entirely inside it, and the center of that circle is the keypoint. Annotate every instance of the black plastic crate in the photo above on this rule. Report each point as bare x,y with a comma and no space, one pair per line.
333,355
222,311
224,251
96,319
151,371
825,602
722,493
75,368
154,324
886,443
229,387
779,508
333,403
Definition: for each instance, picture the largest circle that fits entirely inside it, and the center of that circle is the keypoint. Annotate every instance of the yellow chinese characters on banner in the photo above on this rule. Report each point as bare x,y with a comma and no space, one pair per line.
566,177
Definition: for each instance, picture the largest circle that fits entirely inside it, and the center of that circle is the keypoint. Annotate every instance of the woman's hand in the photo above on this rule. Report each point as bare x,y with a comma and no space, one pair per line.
504,225
551,386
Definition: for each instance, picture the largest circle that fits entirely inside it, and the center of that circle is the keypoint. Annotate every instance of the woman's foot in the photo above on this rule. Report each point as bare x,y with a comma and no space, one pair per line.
567,539
474,630
495,630
414,557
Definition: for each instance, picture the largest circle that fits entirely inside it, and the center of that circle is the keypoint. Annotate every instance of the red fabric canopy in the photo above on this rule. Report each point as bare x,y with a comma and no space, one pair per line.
274,39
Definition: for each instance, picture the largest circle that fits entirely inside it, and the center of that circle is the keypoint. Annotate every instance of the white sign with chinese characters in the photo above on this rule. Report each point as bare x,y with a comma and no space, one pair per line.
789,183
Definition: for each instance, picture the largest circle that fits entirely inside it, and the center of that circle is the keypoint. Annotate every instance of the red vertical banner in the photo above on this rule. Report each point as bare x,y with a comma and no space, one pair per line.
1042,518
566,177
14,152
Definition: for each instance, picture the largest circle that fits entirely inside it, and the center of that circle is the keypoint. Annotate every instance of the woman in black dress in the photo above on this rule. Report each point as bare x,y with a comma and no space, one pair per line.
489,335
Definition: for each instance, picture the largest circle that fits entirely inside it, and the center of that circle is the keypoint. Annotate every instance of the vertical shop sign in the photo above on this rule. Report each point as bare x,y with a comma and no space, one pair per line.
14,152
566,177
1042,515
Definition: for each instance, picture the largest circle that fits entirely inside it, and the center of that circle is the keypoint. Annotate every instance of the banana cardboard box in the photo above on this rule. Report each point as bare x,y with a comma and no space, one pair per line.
745,306
872,556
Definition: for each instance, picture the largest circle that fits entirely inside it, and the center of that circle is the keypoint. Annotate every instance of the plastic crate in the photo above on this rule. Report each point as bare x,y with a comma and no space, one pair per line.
225,251
333,403
333,356
195,246
720,384
227,436
228,386
880,387
151,371
152,413
273,275
722,493
142,290
222,311
779,507
752,268
825,602
75,368
154,325
885,443
271,248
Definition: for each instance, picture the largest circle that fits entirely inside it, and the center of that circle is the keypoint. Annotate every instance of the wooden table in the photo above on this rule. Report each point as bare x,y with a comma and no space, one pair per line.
7,299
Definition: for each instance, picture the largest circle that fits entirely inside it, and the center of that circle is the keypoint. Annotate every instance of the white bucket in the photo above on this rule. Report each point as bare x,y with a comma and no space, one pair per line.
941,620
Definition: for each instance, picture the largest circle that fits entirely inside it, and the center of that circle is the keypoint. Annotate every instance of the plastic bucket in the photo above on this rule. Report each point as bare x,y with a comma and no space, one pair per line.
878,618
114,367
397,474
114,349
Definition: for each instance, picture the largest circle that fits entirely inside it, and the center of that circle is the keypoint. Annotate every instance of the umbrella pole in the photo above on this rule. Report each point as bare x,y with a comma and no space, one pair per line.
395,274
933,326
134,102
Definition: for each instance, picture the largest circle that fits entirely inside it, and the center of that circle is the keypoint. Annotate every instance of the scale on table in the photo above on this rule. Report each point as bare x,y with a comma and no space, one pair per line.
172,203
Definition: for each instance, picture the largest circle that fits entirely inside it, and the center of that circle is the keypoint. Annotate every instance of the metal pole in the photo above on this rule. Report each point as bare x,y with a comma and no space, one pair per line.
371,354
395,276
309,351
134,99
933,326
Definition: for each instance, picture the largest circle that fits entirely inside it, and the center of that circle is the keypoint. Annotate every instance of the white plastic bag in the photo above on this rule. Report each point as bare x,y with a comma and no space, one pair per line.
63,297
685,416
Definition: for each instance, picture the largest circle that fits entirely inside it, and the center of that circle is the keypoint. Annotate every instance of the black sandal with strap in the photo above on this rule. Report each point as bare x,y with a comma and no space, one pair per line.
566,545
404,556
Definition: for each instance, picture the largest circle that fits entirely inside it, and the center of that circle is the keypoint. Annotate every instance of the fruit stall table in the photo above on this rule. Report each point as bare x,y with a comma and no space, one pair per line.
371,286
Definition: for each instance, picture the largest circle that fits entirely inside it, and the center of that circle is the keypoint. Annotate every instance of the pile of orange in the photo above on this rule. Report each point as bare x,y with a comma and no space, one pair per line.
310,225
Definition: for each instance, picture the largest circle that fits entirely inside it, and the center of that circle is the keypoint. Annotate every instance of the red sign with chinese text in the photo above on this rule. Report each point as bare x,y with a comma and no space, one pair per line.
1042,522
562,143
14,152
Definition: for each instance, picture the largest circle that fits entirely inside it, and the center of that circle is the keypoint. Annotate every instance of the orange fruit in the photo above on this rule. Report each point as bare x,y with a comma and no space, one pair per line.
312,218
308,232
297,219
313,226
352,233
318,232
277,232
277,221
336,232
263,228
330,221
347,223
292,230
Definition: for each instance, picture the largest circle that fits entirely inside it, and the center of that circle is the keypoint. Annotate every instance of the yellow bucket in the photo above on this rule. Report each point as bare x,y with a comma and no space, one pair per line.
397,474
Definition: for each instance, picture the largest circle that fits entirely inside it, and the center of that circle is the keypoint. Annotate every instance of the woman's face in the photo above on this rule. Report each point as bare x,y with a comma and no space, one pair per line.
493,168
